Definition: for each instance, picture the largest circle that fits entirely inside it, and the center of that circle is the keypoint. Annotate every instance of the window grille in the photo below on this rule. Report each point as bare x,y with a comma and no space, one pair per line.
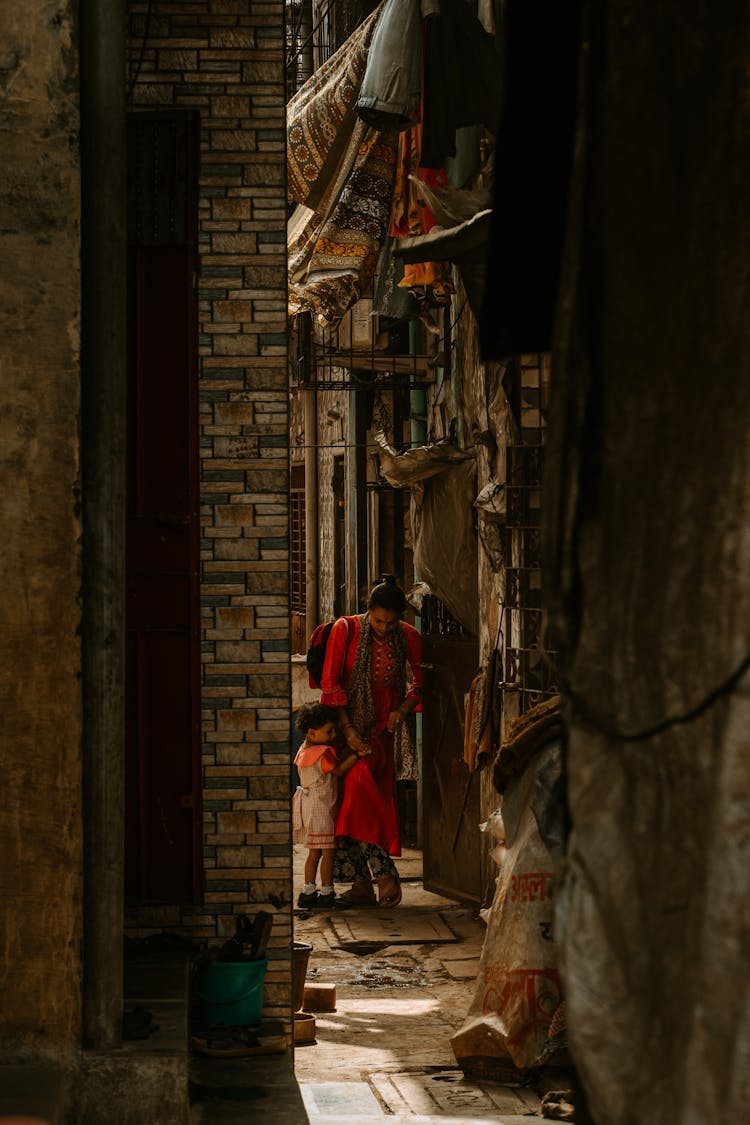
437,619
529,666
314,30
297,534
358,352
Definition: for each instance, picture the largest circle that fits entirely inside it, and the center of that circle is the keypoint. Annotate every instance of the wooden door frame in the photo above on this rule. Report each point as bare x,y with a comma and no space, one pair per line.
190,120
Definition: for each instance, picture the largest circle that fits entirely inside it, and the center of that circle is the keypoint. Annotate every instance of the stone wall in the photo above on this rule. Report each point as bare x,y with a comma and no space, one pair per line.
225,58
40,561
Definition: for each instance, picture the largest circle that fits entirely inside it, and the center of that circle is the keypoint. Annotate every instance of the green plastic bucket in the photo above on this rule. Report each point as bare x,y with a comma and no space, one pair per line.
231,992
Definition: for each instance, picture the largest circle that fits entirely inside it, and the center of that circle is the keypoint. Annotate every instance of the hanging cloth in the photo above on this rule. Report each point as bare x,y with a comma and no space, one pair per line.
461,79
323,130
411,216
391,89
341,173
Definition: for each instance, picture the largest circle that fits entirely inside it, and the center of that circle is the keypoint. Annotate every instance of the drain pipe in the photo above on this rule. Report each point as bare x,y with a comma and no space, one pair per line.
310,406
103,374
311,509
418,436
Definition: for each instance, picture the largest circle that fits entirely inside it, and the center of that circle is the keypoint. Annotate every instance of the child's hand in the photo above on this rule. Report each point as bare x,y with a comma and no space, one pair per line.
363,753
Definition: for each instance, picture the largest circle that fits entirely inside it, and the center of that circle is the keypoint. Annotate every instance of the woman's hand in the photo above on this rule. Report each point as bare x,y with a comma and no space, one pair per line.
355,742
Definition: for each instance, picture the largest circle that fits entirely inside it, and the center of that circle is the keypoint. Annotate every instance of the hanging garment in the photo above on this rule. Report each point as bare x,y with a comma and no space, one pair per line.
461,79
391,89
332,258
411,216
390,299
342,172
323,130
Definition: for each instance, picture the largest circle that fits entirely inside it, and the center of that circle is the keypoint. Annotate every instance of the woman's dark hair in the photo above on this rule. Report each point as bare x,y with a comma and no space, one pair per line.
313,715
387,595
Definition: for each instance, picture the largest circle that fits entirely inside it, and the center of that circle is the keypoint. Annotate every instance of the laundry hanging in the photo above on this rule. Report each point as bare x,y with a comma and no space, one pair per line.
461,78
343,170
391,90
341,173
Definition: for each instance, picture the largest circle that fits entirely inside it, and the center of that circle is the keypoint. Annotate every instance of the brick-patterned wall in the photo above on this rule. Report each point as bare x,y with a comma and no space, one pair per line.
225,58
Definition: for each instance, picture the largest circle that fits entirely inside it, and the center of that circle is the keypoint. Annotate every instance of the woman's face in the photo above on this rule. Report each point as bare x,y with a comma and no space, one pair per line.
382,621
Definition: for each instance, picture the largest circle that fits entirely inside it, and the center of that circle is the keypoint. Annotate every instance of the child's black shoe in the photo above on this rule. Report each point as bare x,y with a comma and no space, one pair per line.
306,901
327,901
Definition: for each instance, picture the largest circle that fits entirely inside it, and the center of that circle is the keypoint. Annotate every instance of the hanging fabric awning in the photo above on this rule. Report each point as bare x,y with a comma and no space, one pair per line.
442,479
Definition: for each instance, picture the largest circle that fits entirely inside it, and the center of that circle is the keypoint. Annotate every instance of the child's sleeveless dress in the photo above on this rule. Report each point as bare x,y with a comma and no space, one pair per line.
315,799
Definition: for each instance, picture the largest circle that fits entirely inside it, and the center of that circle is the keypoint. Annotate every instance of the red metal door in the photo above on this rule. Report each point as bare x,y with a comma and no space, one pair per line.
163,781
450,793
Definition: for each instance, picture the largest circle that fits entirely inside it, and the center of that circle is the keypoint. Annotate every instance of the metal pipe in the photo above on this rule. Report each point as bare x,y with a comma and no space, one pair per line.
418,436
103,383
352,505
312,580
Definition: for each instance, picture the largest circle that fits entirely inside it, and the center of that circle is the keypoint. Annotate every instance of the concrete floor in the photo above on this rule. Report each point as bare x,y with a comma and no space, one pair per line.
404,981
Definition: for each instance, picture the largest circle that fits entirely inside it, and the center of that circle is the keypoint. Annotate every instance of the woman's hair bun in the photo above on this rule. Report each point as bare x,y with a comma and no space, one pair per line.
387,594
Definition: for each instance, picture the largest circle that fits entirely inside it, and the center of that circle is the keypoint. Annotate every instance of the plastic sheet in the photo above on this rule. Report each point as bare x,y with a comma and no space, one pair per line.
442,478
518,988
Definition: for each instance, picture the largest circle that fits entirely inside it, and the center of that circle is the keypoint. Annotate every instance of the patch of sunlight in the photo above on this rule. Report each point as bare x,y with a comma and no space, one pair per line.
391,1006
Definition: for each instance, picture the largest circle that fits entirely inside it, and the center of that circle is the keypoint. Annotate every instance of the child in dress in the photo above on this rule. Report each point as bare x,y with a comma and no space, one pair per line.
314,801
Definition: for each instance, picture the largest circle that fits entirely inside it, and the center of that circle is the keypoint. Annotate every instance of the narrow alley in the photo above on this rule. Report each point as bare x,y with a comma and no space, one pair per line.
425,320
389,989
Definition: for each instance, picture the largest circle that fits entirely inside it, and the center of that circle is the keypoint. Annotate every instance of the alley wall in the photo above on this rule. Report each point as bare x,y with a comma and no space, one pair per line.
225,59
40,655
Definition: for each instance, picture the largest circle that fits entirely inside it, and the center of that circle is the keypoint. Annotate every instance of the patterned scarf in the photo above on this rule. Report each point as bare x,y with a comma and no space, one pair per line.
361,706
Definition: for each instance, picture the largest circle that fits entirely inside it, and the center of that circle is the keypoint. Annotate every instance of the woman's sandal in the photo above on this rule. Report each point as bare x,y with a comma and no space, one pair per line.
389,890
359,894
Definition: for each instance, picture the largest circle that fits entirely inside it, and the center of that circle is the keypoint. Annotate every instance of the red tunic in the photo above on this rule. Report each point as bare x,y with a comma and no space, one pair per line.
368,806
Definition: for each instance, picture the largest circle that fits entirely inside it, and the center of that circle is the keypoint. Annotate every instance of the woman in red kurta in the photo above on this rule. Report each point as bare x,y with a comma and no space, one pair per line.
372,674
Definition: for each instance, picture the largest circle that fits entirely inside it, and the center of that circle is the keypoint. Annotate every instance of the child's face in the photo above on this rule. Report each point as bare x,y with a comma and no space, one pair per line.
318,735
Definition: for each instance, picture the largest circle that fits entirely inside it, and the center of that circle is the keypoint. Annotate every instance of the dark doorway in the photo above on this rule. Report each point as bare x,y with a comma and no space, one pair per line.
163,780
450,793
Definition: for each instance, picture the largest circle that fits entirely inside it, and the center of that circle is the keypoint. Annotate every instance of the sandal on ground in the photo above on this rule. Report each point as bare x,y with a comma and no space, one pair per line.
389,890
359,894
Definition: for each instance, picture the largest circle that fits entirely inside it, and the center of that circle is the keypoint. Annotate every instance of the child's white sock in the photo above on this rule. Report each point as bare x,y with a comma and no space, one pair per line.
308,889
325,890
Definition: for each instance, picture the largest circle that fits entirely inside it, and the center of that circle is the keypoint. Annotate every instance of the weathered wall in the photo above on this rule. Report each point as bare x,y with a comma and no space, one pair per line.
505,448
331,439
40,663
649,562
225,58
484,428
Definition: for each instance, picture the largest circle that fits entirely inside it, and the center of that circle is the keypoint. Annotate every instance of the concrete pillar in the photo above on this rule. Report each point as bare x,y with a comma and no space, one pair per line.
102,26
